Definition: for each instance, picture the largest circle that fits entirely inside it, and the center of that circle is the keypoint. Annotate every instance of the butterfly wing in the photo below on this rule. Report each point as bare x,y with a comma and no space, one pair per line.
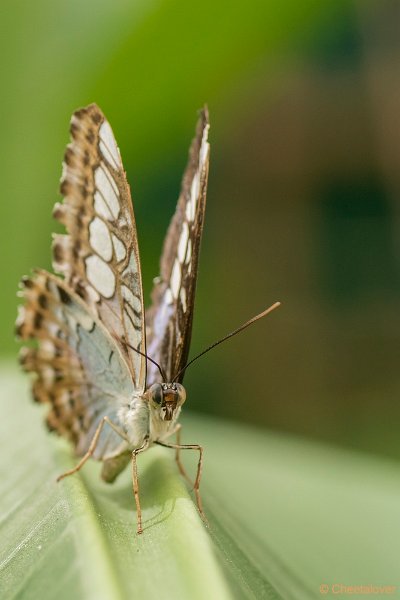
99,256
169,319
80,369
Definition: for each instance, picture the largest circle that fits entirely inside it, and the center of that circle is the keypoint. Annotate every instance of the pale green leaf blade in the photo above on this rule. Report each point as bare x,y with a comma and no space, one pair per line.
77,539
285,516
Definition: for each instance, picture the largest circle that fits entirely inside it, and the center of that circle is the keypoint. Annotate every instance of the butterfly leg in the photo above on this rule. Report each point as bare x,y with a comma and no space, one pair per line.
196,486
92,446
181,468
135,482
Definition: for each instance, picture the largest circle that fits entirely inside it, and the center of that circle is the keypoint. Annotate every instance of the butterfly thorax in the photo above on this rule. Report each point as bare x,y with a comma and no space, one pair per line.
165,402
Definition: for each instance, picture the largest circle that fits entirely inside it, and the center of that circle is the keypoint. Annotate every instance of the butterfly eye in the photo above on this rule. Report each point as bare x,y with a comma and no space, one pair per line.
181,392
157,393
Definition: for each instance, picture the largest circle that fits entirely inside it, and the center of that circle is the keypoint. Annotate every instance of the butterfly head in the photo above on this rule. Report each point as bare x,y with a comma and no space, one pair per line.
167,399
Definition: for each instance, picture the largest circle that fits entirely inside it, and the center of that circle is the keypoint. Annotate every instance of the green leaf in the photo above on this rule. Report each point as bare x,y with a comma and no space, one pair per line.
77,539
285,517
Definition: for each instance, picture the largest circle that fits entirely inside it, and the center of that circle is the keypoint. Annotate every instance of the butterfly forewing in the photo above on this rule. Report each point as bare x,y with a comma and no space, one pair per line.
99,256
169,319
79,368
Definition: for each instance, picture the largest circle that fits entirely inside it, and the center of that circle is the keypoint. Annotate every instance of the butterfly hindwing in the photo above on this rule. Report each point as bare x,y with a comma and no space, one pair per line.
99,256
79,368
169,319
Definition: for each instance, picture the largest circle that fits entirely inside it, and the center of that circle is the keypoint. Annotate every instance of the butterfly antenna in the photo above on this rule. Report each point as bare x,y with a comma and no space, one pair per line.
148,358
231,334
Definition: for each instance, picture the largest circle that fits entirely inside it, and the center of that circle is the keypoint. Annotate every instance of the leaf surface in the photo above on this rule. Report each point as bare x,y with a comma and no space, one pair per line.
286,516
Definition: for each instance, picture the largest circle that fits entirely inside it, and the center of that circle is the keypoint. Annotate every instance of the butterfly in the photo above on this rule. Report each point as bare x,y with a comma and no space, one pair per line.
111,376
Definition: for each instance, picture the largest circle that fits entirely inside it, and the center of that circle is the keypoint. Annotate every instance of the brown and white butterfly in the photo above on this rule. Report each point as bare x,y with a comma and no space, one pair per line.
108,394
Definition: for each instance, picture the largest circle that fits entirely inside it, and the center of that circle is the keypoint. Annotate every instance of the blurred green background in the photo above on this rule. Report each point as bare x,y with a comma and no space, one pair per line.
303,193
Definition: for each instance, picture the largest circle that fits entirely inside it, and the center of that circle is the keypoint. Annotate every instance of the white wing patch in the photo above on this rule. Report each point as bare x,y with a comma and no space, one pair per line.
194,193
83,319
108,147
183,240
132,300
100,240
188,252
182,296
108,190
168,296
100,276
119,248
176,278
100,206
